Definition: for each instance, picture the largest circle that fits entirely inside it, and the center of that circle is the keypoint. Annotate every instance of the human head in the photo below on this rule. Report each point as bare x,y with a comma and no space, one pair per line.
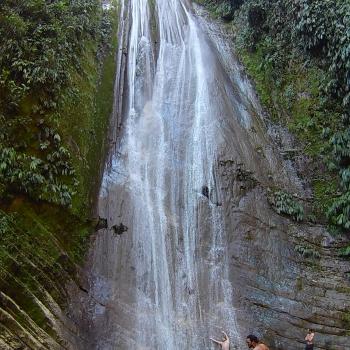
310,330
252,341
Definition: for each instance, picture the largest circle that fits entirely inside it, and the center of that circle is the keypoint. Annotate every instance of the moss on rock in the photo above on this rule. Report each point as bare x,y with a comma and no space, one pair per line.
42,244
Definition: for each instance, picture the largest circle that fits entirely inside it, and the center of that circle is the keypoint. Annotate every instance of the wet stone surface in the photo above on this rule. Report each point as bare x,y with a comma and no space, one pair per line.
189,180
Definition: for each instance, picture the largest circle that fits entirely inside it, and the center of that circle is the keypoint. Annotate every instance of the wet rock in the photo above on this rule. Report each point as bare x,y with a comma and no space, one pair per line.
65,262
119,229
101,224
277,292
205,191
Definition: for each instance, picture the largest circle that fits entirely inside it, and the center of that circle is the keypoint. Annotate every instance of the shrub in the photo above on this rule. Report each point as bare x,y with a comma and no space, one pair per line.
307,251
317,31
42,43
284,203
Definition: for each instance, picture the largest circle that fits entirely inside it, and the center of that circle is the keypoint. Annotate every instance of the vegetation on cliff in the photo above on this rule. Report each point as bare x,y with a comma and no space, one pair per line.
42,49
56,86
298,54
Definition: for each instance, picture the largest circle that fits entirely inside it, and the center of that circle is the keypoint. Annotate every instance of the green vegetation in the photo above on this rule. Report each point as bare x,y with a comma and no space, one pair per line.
284,203
39,42
57,72
307,251
218,8
346,322
298,54
345,252
38,255
91,99
299,285
43,49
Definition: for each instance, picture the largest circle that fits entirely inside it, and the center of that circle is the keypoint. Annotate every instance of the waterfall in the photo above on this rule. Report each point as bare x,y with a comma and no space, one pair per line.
162,282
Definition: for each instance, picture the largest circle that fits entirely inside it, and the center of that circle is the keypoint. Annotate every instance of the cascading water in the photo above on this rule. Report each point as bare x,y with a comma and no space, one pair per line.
159,273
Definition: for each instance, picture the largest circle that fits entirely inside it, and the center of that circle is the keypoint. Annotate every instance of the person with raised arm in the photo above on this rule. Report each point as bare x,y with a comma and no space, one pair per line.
225,343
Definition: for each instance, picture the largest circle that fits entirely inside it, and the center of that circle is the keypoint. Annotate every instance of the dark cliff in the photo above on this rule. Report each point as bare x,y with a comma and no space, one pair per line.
289,275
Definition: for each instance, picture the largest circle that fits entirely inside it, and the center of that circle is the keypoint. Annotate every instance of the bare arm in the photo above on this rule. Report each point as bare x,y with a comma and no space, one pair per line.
309,337
216,341
225,335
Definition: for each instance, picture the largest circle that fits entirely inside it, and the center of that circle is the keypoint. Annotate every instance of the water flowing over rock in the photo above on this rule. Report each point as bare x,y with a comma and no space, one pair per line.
198,247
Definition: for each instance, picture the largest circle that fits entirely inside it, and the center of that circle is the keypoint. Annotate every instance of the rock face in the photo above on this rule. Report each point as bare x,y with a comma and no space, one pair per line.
288,277
192,242
280,293
33,279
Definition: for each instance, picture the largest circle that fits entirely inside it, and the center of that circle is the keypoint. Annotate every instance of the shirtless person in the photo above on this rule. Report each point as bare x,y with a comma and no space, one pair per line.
225,343
310,340
254,343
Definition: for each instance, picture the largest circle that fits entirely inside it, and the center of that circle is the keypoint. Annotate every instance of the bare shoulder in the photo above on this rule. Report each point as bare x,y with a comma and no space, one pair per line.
261,347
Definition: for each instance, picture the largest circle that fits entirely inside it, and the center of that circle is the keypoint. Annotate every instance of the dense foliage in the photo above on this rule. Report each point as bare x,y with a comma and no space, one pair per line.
40,39
314,33
41,45
57,69
284,203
